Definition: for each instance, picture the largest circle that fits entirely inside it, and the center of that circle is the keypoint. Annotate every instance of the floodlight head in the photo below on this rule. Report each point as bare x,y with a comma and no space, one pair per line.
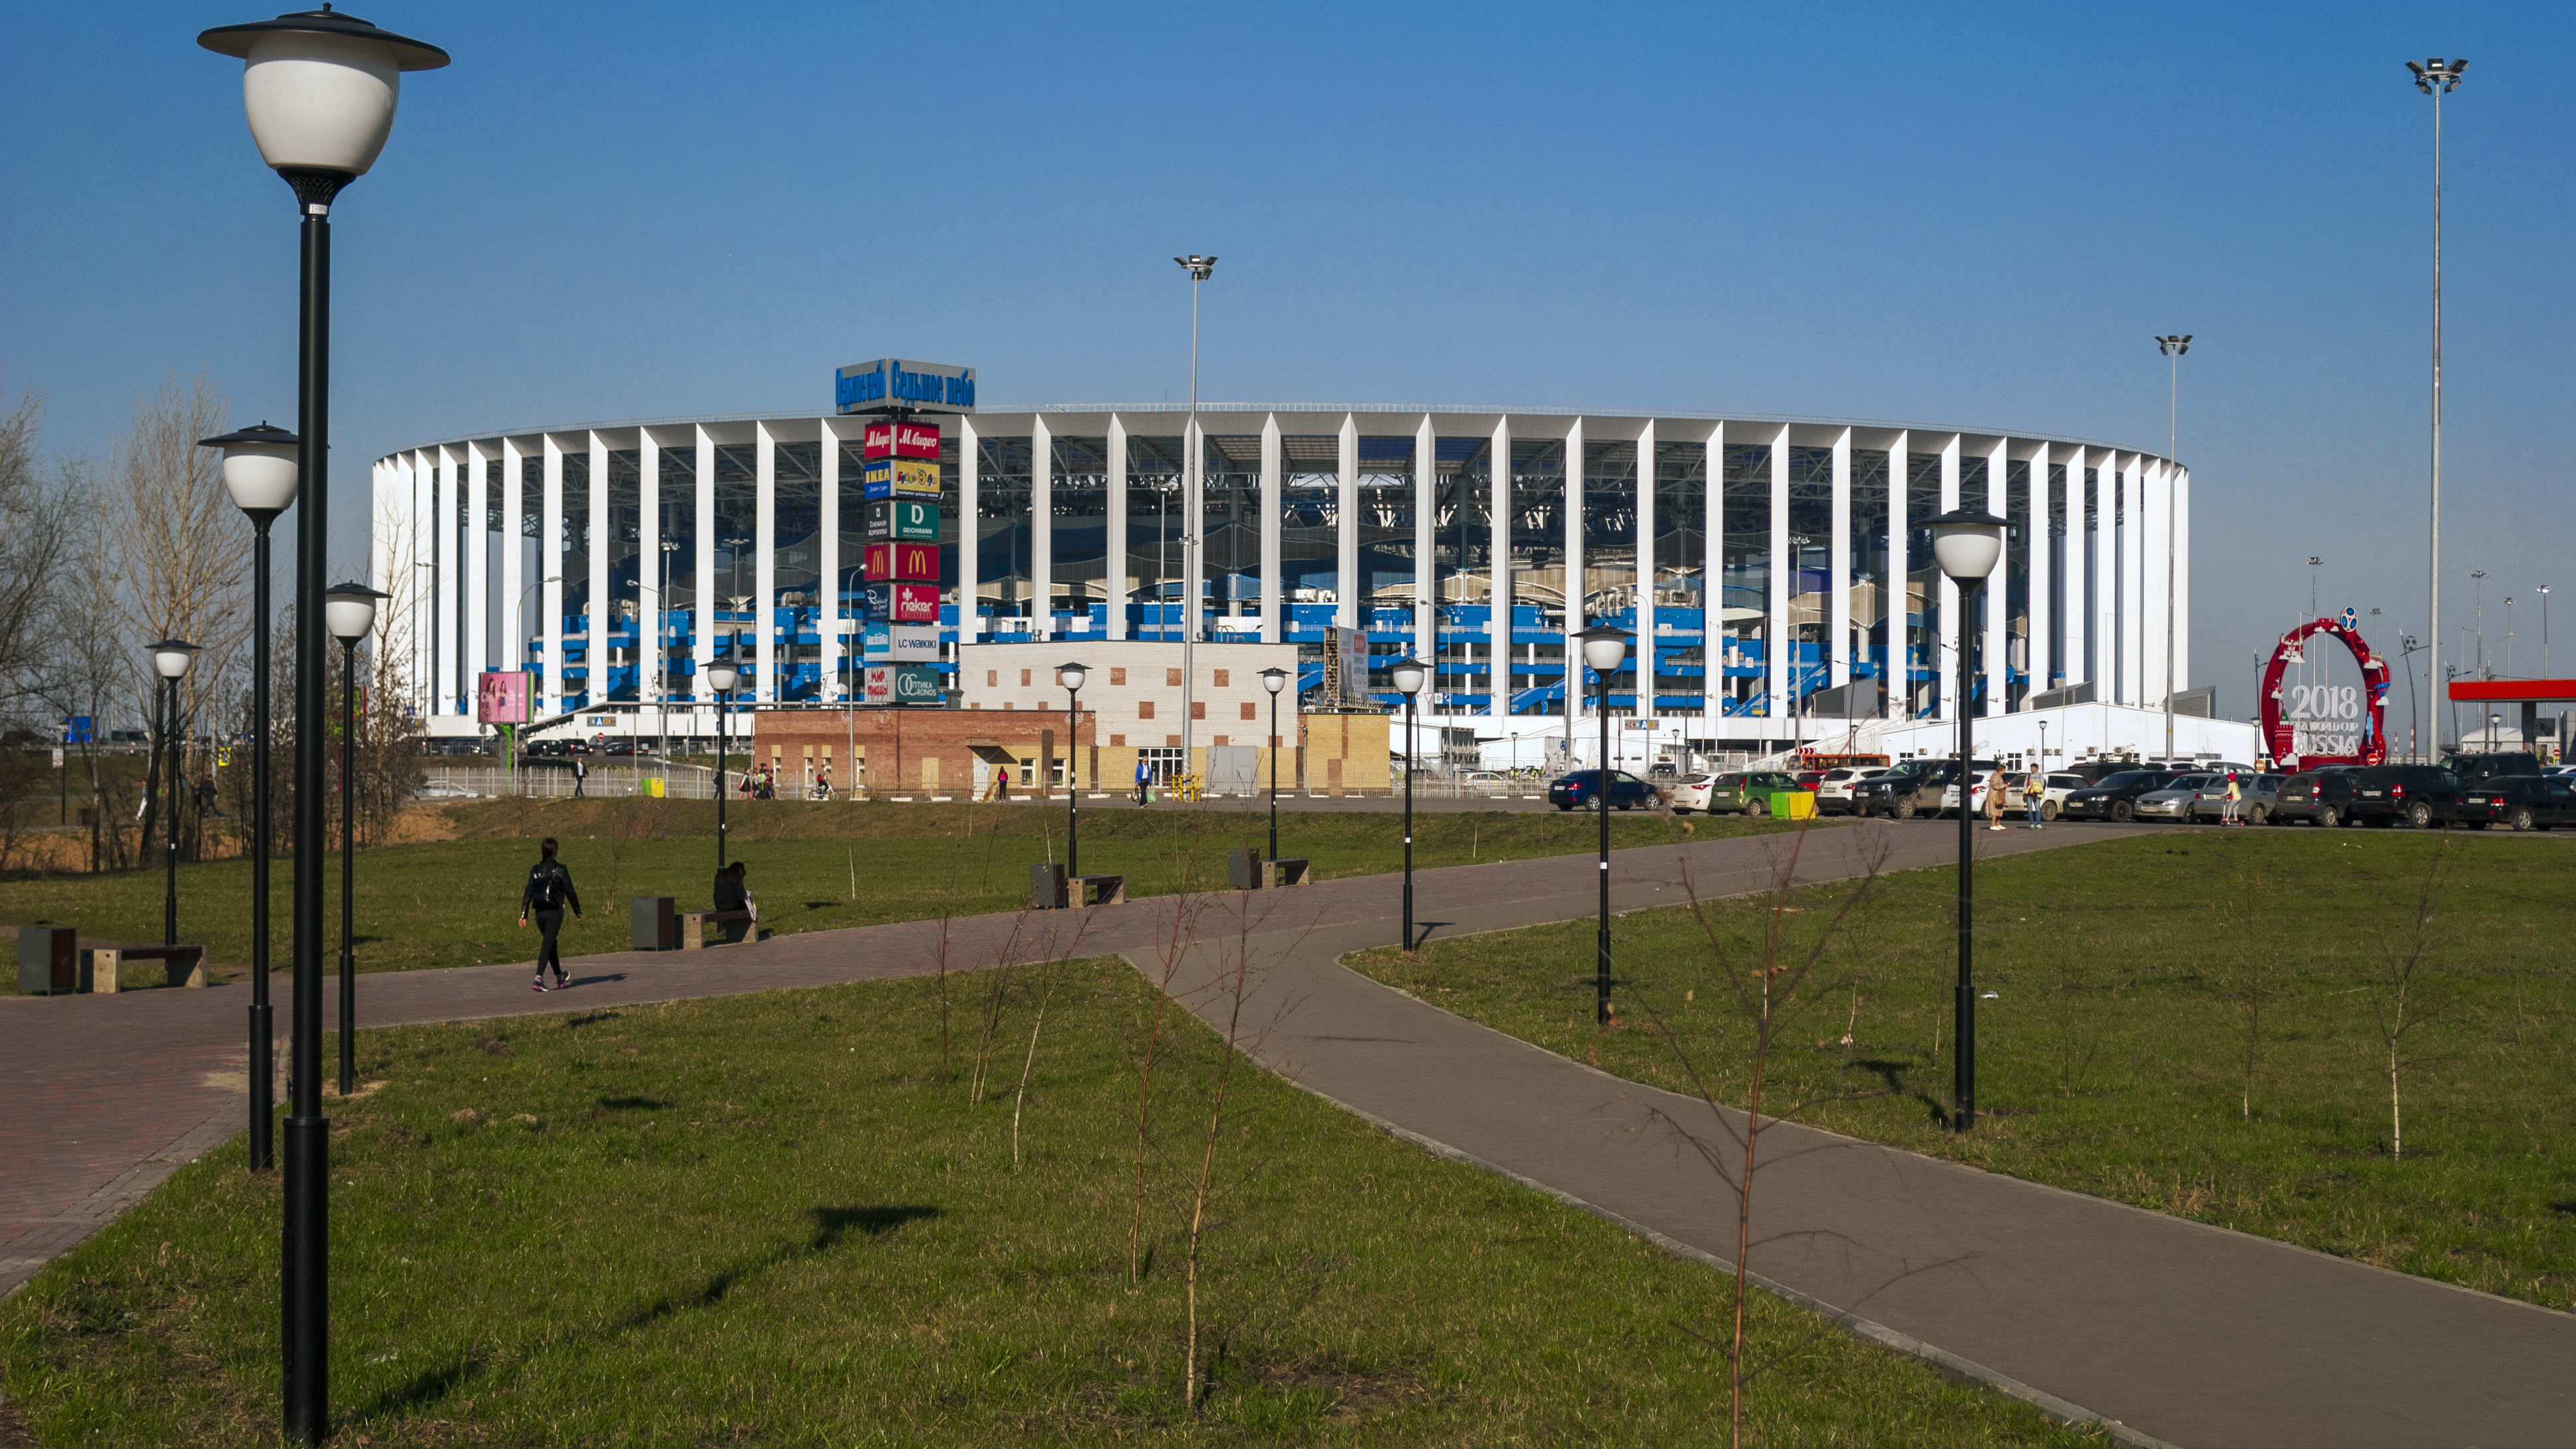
1199,266
722,675
1071,676
349,610
2314,561
1604,648
1966,542
259,468
2477,573
171,657
1275,679
1408,675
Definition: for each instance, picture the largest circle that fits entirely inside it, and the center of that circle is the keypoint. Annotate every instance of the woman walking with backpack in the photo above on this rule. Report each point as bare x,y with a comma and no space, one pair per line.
548,892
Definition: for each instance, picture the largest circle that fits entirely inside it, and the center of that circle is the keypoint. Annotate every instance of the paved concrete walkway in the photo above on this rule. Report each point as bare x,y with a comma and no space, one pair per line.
2177,1332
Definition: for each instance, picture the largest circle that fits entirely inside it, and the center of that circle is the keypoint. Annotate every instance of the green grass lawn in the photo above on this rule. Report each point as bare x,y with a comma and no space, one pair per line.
2186,1022
793,1219
813,865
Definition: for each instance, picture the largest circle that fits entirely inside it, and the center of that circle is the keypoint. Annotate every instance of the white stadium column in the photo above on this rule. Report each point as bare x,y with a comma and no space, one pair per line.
595,684
969,533
2133,580
2036,636
2182,577
2105,612
2151,585
1041,529
827,574
764,561
1115,573
1498,615
550,567
1838,607
2072,563
451,580
1712,585
1274,582
703,630
1946,669
1998,590
1896,594
1194,528
477,633
1351,610
1426,567
649,603
1780,640
1577,615
1646,614
514,563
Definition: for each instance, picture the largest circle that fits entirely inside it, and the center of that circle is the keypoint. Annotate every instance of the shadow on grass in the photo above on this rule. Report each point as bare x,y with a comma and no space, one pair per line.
1893,1074
831,1227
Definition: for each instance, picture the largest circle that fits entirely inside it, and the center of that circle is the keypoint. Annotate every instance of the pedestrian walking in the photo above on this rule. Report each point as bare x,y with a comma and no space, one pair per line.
547,895
1002,784
1144,780
2034,791
1996,789
2235,801
580,772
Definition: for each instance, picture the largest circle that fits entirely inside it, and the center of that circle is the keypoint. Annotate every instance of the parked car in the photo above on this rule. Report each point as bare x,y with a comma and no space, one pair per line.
1746,792
2420,795
2052,796
1809,779
1690,793
2173,799
2115,797
1627,792
2476,769
2255,797
1977,794
2319,797
1871,795
1834,792
1923,792
2521,802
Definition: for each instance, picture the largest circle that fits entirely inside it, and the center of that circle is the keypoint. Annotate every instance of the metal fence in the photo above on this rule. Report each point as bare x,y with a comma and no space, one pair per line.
697,782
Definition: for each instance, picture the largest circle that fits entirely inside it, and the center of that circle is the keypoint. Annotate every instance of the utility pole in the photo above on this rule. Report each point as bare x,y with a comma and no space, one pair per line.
1193,512
2437,78
2173,348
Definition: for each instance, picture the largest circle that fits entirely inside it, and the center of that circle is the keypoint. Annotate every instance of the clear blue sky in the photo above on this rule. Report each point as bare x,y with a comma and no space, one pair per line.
1942,214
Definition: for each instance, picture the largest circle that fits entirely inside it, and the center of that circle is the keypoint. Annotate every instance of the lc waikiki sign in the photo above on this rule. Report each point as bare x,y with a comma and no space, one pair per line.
890,384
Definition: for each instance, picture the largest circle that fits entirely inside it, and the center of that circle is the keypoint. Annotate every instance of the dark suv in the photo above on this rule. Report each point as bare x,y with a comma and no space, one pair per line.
2320,797
1627,792
2113,798
2420,795
2476,769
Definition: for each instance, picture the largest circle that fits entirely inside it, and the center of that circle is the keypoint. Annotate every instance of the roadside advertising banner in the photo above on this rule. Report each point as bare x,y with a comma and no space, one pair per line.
914,561
903,518
501,697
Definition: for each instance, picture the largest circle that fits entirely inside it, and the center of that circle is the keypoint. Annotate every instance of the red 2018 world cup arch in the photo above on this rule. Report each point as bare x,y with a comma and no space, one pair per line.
2310,721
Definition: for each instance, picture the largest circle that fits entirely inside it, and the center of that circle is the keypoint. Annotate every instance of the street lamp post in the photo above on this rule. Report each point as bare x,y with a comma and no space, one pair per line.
319,91
349,610
2479,576
722,675
259,473
2173,347
2437,78
1408,675
1072,676
1193,510
2314,563
1274,679
170,660
1603,649
1966,543
2544,631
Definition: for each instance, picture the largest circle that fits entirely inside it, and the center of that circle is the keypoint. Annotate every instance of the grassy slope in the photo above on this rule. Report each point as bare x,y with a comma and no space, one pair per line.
2114,1056
777,1220
455,902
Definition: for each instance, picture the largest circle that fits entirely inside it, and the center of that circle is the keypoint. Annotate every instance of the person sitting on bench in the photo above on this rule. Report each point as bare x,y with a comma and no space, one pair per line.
733,895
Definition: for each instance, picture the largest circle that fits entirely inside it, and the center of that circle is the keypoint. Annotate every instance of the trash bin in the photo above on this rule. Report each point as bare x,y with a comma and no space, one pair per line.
1793,804
653,923
49,961
1046,886
1243,868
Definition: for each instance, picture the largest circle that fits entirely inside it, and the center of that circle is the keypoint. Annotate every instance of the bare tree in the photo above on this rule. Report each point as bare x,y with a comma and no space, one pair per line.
2410,989
37,537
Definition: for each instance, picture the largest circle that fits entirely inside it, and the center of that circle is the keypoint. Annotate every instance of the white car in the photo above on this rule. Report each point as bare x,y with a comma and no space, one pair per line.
2175,801
1834,792
1977,796
1690,793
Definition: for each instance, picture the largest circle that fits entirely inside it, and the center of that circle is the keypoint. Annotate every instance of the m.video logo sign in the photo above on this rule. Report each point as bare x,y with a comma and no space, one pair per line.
892,382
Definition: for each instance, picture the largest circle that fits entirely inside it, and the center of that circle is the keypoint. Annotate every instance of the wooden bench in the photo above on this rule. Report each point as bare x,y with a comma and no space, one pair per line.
1294,871
1098,890
186,964
693,928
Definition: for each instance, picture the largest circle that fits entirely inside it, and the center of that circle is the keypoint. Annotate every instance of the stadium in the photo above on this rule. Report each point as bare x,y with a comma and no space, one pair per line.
1777,572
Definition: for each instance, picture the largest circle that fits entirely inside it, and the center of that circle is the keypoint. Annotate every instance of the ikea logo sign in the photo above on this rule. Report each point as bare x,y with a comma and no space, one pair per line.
890,383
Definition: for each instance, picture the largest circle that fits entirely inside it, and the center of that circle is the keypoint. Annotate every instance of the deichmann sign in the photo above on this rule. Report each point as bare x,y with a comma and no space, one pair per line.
902,518
900,440
2313,718
890,383
887,684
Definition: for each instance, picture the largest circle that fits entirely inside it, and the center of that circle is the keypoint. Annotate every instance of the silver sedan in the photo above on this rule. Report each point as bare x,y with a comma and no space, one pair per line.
2175,801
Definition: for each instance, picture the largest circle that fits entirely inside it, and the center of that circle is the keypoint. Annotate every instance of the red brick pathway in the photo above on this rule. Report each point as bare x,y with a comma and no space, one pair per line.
107,1095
